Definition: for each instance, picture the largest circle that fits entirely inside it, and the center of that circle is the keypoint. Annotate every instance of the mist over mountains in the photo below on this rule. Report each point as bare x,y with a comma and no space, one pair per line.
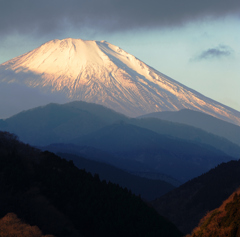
200,120
102,73
136,145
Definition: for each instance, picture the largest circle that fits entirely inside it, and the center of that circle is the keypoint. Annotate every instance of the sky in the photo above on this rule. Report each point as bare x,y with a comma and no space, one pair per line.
197,43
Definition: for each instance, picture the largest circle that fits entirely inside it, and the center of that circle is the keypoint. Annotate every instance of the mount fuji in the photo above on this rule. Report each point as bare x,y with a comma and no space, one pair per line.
99,72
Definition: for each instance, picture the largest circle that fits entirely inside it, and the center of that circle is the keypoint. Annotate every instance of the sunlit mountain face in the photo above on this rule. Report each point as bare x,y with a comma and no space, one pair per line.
102,73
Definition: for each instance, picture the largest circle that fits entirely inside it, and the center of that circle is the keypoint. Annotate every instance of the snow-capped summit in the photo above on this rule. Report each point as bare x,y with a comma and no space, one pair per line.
103,73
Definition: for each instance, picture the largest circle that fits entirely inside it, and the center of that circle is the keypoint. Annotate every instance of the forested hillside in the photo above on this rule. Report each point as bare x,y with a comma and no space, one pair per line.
51,193
187,204
223,221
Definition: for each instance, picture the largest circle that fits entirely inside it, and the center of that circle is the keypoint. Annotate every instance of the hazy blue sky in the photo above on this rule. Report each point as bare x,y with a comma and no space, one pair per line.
195,42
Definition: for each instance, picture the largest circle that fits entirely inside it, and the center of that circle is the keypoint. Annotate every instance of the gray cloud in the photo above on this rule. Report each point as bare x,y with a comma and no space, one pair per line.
50,16
213,53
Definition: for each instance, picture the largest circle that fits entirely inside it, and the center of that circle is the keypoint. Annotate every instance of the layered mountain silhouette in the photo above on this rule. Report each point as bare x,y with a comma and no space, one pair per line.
99,72
135,145
200,120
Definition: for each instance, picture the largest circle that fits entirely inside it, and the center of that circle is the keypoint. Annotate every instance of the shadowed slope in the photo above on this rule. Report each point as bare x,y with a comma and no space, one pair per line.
62,200
146,188
187,204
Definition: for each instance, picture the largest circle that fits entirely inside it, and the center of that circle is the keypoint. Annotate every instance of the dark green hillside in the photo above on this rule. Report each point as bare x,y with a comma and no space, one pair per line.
223,221
187,204
51,193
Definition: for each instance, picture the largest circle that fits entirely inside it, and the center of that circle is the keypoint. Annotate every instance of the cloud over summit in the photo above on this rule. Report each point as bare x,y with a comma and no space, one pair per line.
47,16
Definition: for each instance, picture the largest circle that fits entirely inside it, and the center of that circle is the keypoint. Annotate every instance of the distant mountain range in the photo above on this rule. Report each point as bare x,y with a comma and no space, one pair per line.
200,120
136,145
99,72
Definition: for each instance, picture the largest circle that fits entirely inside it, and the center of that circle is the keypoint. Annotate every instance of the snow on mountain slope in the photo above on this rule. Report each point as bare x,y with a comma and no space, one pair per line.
102,73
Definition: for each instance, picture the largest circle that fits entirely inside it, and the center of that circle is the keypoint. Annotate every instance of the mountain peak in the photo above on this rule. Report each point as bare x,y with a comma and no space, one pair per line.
102,73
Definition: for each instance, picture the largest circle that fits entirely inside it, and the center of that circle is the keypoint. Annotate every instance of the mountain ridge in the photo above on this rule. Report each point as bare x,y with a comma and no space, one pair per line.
133,144
56,123
200,120
103,73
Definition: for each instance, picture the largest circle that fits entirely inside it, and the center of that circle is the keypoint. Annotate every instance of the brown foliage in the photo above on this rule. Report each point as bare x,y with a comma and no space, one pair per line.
187,204
12,226
223,221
